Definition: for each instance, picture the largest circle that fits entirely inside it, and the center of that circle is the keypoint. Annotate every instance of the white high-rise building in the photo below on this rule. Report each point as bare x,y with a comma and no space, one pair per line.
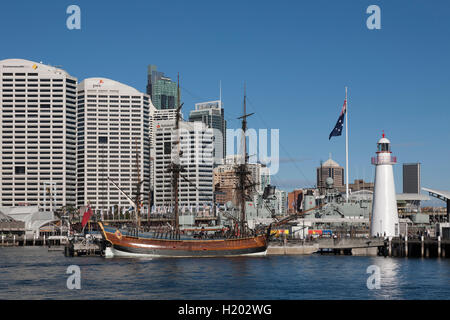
211,113
38,135
384,220
196,181
113,128
157,115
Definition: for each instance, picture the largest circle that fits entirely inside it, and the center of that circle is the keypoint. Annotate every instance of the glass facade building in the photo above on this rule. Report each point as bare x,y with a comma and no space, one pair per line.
161,89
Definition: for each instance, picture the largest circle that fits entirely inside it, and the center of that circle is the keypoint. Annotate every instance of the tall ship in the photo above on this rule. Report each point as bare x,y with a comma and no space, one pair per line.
171,241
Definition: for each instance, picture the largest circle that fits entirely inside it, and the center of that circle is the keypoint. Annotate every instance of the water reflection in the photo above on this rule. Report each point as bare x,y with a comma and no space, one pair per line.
390,282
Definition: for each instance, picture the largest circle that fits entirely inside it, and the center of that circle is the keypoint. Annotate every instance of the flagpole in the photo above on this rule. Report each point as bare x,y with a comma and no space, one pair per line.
346,145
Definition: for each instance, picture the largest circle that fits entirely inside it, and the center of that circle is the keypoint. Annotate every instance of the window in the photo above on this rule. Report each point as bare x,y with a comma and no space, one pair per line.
383,147
167,148
102,139
20,170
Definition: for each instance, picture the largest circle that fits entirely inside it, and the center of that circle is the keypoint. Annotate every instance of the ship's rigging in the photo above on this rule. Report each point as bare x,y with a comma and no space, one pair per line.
245,185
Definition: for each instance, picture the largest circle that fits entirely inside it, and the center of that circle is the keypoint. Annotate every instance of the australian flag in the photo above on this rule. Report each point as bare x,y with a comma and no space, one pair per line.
337,131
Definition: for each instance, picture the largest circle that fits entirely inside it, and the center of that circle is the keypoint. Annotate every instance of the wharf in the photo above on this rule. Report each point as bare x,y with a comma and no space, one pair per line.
396,247
346,246
417,247
16,241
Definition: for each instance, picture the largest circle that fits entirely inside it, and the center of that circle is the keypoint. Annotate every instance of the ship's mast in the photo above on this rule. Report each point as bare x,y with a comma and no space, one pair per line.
176,171
138,189
242,171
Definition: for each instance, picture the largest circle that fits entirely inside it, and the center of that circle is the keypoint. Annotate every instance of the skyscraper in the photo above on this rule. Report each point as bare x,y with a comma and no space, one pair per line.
212,114
332,169
38,141
161,89
157,115
195,187
113,128
411,178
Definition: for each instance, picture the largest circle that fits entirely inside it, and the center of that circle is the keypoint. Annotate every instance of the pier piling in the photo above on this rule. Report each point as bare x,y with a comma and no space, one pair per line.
390,247
439,246
422,247
406,246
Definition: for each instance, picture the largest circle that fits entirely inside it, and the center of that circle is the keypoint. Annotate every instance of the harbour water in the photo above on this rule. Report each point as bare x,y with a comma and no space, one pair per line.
36,273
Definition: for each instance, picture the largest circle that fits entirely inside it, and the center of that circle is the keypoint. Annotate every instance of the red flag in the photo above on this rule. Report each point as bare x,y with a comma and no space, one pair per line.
86,216
344,107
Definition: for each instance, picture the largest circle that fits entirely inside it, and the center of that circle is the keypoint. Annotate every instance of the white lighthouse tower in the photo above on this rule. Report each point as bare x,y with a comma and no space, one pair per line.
384,220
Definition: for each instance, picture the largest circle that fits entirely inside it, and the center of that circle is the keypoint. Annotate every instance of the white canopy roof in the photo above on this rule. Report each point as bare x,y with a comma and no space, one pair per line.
442,194
412,197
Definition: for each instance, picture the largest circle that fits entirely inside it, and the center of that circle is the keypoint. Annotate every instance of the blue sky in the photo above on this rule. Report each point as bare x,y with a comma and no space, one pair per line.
295,56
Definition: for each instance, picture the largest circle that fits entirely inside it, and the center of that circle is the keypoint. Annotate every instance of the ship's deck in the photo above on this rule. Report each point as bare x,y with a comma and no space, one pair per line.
155,235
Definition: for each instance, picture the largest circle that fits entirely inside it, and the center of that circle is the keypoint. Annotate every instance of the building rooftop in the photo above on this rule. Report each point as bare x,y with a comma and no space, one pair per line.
22,65
107,84
330,163
412,197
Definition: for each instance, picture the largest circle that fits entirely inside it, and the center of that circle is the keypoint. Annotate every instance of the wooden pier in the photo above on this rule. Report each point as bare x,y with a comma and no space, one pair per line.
20,241
417,247
396,247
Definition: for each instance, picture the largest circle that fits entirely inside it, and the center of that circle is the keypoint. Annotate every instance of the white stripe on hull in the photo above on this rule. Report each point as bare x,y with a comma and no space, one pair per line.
112,252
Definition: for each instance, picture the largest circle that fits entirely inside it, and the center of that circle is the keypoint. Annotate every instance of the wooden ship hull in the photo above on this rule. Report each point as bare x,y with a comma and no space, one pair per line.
119,243
126,242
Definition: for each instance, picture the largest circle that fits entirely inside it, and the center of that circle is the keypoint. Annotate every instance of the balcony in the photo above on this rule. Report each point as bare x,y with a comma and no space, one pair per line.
384,160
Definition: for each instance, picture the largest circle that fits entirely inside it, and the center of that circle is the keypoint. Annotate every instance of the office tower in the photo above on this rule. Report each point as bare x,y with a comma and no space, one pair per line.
38,135
225,183
212,114
196,180
156,115
411,178
113,128
332,169
161,89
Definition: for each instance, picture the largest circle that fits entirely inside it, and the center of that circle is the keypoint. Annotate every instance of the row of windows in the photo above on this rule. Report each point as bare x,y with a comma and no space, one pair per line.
42,94
32,80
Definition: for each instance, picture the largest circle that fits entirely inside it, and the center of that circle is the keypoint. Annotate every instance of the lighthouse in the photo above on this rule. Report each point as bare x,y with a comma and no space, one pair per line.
384,220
